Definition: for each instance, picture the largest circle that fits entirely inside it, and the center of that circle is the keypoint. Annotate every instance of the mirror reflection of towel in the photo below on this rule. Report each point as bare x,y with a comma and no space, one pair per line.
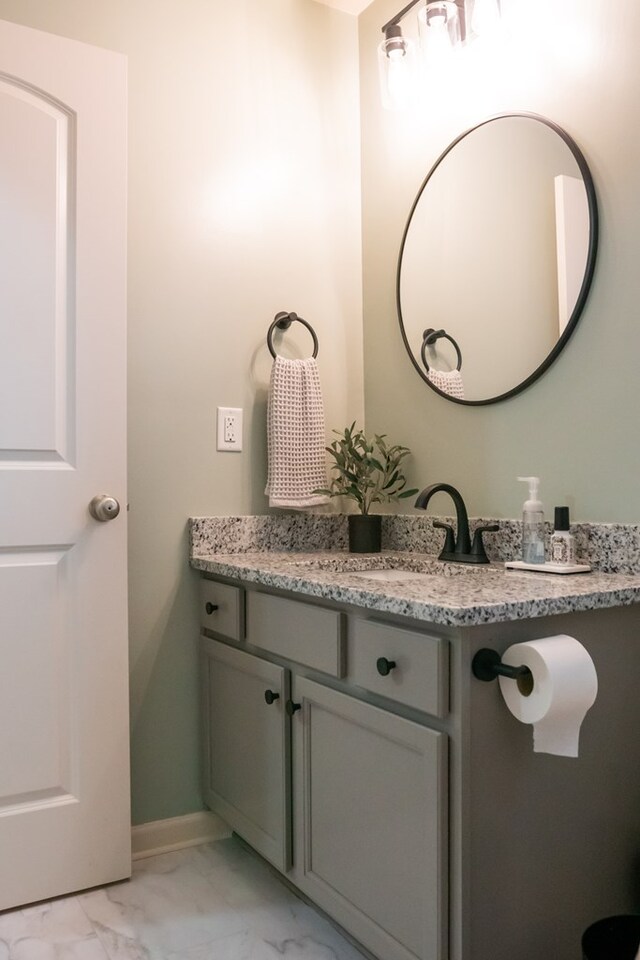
295,436
448,381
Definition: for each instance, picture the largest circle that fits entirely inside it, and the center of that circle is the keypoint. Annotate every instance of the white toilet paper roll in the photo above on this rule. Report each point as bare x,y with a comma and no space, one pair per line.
565,685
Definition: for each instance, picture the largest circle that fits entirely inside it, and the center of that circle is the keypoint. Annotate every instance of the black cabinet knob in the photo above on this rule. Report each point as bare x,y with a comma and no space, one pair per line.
211,607
291,707
270,696
384,666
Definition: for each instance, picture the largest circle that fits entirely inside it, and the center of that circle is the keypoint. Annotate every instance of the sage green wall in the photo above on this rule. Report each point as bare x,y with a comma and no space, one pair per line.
243,200
577,427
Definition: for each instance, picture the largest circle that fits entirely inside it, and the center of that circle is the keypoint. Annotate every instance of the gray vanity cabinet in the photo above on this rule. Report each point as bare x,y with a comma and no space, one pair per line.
340,780
247,769
395,789
369,821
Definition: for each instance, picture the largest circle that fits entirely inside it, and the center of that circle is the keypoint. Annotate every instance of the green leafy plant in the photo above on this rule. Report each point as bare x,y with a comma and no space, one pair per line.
367,471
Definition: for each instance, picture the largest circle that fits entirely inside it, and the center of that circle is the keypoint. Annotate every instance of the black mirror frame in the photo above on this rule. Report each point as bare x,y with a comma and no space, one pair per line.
588,274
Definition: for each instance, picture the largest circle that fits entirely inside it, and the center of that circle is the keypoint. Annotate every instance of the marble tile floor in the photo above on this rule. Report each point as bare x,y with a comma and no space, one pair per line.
213,902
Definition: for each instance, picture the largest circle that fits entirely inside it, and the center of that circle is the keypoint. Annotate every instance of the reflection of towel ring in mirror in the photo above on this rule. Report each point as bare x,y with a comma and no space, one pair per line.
283,321
429,337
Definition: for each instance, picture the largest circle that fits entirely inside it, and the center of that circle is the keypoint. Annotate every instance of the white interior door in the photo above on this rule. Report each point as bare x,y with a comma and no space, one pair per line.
64,765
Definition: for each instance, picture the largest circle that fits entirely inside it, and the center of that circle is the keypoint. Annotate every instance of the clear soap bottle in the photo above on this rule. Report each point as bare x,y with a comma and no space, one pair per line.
532,523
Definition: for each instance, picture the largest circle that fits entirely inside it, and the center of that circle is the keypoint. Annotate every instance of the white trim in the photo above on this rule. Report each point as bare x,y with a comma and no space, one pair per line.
162,836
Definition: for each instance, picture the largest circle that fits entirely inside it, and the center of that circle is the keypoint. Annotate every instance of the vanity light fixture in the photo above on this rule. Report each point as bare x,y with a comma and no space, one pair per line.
443,25
398,68
439,28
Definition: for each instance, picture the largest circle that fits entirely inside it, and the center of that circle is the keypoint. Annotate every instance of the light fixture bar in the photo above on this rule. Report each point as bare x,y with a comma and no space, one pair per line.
461,12
398,17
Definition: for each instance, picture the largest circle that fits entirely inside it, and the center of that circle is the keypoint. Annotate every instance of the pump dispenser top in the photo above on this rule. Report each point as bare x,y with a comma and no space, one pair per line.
532,523
534,502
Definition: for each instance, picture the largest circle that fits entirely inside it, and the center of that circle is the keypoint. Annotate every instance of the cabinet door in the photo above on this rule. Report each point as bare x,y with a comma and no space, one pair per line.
247,760
370,822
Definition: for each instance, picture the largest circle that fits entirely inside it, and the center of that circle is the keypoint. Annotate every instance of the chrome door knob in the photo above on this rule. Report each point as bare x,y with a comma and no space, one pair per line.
104,508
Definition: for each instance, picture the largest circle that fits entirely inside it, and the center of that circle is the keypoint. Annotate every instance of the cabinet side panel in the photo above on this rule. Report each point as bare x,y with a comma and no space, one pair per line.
554,841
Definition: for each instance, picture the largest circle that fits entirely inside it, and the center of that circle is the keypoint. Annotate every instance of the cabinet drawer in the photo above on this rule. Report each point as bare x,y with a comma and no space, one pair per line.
222,609
302,632
417,665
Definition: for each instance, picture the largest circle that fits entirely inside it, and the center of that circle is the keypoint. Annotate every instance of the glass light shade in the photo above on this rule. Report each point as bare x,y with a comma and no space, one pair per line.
485,17
397,68
439,26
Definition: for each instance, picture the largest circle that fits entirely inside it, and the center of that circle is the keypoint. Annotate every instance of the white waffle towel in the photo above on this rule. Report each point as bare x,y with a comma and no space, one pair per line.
295,436
449,381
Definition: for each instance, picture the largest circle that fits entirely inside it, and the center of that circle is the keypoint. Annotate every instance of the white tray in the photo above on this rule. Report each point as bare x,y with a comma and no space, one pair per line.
548,567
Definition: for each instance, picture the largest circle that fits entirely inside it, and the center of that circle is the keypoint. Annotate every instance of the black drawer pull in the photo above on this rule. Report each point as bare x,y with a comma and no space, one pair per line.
211,607
384,666
271,696
291,707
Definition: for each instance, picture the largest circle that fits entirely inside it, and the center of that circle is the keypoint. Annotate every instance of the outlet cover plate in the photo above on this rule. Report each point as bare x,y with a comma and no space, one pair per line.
229,429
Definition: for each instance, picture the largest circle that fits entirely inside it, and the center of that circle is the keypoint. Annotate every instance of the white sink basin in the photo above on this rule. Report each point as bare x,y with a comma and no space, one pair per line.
395,576
389,568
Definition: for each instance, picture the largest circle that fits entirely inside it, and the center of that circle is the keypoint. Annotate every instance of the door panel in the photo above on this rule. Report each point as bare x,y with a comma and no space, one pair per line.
34,748
371,822
64,777
247,757
36,203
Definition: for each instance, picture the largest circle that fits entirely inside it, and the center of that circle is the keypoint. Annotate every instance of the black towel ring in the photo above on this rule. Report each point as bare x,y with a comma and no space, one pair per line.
429,337
283,321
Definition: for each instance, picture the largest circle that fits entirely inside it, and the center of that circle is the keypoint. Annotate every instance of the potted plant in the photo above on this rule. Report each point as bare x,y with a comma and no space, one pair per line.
367,471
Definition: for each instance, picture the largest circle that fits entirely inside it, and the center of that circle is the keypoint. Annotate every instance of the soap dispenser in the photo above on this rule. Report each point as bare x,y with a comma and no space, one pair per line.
532,524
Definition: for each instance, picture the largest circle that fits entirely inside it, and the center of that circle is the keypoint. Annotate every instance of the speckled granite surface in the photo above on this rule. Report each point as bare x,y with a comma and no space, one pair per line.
299,531
608,547
308,555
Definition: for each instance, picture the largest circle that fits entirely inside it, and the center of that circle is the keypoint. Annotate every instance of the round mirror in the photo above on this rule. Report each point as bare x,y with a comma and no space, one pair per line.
497,258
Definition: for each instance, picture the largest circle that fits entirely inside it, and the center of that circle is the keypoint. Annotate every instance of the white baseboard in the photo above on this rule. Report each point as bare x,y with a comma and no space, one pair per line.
162,836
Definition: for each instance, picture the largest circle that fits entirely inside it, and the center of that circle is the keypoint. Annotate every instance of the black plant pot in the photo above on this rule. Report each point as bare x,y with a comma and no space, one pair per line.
365,533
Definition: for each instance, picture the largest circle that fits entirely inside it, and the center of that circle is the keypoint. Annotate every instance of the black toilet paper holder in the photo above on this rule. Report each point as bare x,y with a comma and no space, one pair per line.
487,665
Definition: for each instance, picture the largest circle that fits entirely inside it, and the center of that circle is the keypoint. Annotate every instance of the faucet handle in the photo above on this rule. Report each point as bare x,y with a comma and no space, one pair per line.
450,540
477,547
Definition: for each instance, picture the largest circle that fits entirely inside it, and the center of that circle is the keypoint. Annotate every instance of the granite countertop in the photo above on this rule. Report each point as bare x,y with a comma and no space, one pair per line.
443,593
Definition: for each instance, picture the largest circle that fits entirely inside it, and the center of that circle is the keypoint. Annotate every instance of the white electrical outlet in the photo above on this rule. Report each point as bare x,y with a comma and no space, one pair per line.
229,432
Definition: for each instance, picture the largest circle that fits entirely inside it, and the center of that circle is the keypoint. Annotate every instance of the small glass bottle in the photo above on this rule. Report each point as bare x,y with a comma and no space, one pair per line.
563,544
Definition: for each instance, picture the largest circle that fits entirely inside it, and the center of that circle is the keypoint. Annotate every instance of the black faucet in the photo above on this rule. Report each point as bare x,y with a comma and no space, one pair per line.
459,550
